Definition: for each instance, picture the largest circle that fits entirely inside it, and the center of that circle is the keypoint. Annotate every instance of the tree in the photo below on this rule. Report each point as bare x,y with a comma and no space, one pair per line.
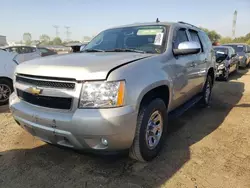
86,39
57,41
213,35
248,42
44,39
225,40
27,38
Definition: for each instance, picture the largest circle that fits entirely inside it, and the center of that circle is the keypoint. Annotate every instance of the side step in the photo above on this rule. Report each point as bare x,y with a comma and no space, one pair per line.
180,110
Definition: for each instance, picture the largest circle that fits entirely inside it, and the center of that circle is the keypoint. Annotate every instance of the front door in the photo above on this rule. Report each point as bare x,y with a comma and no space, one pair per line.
184,82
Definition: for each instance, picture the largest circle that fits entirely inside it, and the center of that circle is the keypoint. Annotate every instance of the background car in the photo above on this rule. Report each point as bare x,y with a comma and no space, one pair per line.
227,61
243,50
28,52
45,51
8,63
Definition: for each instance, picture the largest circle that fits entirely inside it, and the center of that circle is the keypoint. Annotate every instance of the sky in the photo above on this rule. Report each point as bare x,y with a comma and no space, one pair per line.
89,17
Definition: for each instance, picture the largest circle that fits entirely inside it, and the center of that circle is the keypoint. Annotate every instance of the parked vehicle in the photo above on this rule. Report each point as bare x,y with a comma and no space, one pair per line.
45,51
8,62
243,50
227,61
119,92
28,52
77,47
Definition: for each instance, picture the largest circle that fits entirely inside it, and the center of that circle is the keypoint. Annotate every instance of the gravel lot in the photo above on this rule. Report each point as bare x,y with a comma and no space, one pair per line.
205,148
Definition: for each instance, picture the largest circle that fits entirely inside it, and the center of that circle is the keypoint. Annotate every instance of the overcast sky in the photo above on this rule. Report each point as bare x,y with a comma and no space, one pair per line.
89,17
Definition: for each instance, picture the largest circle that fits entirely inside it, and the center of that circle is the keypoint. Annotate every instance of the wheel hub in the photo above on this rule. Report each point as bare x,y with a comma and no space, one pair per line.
154,130
4,92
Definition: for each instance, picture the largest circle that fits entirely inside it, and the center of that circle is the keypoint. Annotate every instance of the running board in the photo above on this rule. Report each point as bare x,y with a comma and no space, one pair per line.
180,110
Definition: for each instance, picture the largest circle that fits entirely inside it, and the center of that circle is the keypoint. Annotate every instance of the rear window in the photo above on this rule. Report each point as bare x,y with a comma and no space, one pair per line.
237,48
221,50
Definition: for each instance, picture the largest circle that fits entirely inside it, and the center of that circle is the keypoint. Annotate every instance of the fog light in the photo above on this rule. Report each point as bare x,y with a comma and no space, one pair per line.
104,141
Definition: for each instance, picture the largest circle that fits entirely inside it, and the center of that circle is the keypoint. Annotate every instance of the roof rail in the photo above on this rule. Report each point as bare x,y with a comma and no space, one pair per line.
187,23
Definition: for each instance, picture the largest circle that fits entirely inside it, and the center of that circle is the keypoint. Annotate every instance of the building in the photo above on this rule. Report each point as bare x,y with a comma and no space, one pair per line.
3,41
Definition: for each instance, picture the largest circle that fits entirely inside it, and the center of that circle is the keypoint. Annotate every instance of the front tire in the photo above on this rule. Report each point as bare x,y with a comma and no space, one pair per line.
150,131
6,88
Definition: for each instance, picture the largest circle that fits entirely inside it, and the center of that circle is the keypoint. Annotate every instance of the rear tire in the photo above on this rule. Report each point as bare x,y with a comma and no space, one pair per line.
143,147
6,88
206,93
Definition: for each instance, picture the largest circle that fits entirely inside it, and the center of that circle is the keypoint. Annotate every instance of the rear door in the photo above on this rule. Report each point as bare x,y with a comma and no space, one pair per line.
199,69
232,59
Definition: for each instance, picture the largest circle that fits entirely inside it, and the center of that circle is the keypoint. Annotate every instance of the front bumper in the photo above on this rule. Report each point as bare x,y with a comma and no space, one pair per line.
220,72
81,129
243,62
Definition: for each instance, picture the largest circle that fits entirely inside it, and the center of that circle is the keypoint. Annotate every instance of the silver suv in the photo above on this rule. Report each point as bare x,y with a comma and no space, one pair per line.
118,93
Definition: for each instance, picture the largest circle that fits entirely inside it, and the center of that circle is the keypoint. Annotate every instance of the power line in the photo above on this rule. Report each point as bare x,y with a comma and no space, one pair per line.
57,30
67,33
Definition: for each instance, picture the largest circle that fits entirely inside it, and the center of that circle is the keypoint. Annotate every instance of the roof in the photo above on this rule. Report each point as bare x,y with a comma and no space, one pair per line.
2,36
222,47
155,24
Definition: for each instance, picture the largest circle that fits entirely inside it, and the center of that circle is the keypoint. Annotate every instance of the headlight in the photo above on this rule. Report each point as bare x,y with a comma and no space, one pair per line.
102,94
241,57
221,66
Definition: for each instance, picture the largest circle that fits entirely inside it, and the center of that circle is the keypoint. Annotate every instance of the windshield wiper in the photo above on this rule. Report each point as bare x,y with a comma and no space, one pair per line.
125,50
92,50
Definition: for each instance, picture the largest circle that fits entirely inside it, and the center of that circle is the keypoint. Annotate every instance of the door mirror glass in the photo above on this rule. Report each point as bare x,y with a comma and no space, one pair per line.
186,48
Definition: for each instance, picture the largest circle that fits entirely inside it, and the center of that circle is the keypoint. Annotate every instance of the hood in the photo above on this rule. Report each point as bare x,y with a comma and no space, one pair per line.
80,66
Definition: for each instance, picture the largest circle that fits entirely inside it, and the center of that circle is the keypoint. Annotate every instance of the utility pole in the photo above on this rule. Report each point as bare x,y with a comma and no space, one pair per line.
67,33
57,32
234,24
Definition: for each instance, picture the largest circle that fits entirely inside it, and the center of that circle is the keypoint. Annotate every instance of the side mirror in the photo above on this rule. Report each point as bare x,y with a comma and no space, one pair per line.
186,48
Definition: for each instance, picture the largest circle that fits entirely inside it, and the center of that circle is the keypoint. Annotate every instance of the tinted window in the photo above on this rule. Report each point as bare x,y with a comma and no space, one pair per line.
43,50
195,37
205,40
181,36
25,50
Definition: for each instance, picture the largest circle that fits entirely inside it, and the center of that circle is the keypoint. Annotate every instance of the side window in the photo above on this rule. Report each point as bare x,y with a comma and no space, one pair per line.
205,41
195,37
229,52
43,50
181,36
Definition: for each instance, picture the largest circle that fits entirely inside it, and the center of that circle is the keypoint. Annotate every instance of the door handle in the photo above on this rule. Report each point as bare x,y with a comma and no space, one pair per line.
193,64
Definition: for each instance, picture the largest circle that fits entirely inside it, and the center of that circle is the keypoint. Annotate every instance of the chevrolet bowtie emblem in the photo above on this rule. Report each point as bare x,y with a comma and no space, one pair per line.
35,91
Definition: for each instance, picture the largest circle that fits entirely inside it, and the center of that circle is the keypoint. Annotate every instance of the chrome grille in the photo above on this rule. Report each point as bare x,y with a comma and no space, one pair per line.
43,82
45,101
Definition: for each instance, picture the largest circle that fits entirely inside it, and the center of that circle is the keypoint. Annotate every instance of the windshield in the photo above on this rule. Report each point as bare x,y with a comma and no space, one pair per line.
146,39
237,48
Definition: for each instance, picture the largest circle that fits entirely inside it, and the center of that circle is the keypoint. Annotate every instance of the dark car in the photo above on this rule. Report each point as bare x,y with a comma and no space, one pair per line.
243,50
227,61
45,51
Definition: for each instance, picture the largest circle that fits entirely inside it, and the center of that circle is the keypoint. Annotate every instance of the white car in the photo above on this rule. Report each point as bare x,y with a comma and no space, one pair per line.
28,52
8,63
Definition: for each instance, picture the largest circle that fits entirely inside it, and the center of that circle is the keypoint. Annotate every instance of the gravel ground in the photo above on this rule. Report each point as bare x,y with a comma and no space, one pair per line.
205,148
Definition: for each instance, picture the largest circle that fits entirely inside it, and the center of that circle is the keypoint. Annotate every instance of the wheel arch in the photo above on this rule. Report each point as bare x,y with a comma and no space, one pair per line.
158,91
